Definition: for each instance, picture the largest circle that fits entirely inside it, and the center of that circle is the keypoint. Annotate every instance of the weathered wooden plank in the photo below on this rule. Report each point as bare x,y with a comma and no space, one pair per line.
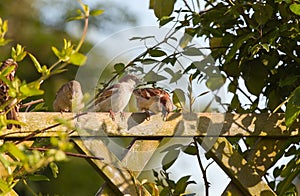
139,155
120,179
135,125
94,126
263,155
244,176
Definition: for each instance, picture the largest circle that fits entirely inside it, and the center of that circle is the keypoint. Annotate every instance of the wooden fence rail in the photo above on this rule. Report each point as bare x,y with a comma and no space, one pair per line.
213,129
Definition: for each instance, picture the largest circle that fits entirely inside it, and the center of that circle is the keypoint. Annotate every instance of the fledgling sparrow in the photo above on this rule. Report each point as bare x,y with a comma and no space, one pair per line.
153,99
115,98
69,98
12,108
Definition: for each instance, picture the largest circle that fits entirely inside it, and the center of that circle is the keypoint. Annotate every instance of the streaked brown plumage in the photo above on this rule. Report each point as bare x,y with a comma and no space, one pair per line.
69,98
155,100
10,104
115,98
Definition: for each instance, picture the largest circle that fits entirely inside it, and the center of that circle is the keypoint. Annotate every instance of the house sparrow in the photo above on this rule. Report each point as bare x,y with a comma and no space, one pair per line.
69,98
12,108
153,99
115,98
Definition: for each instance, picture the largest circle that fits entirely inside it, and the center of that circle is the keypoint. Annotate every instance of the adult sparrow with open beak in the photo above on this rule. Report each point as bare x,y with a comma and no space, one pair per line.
11,108
69,98
115,98
153,99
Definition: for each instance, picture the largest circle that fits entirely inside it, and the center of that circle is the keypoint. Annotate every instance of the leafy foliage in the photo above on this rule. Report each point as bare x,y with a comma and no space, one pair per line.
20,161
163,182
251,42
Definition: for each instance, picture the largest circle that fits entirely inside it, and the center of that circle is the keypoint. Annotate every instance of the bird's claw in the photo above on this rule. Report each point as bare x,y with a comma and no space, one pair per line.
112,115
122,114
165,116
147,115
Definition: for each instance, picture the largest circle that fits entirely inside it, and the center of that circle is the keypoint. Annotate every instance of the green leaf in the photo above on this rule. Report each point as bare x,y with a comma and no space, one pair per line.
165,20
149,61
295,8
5,72
215,82
85,8
152,76
37,177
262,13
74,18
185,40
293,108
141,38
157,53
96,12
191,150
54,169
257,47
266,47
60,155
171,60
3,41
176,76
237,45
46,71
192,51
182,184
276,172
169,71
151,4
78,59
255,74
163,8
165,192
155,173
18,53
178,98
15,151
291,151
31,89
56,52
119,67
36,63
288,80
169,159
4,26
4,187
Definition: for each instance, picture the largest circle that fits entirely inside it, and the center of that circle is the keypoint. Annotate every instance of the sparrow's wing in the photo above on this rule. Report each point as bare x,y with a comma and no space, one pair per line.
3,92
107,93
148,93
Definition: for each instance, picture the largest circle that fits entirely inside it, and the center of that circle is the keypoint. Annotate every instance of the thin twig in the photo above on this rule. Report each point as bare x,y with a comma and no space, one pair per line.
69,153
187,5
203,170
29,104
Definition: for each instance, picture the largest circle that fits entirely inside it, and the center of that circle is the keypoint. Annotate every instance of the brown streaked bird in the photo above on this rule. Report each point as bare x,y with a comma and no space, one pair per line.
153,99
115,98
69,98
11,108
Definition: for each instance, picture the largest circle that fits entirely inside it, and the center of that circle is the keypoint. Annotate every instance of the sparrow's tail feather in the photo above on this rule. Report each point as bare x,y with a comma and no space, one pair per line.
12,115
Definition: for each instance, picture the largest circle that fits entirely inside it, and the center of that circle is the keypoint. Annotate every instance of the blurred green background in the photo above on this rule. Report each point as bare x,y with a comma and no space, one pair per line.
38,25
